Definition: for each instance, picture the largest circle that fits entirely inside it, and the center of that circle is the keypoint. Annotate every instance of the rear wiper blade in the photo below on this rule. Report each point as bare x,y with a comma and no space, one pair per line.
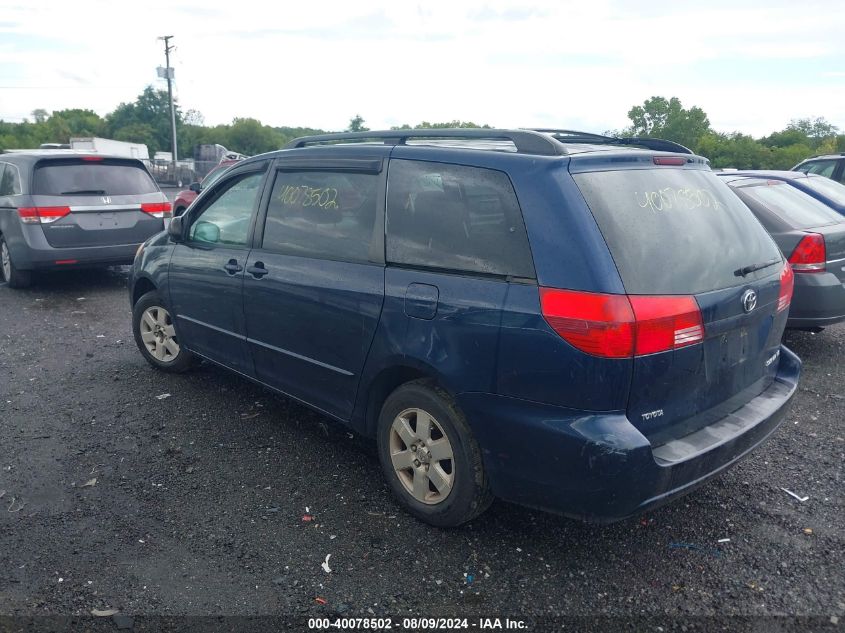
742,272
82,192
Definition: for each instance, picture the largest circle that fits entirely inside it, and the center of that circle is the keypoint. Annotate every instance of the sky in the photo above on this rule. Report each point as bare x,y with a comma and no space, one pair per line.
751,66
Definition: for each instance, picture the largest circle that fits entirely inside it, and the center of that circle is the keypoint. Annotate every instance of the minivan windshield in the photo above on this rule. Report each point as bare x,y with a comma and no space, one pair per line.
107,177
676,231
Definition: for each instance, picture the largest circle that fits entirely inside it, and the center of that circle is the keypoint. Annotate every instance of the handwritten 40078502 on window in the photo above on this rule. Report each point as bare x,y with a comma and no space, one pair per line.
305,196
668,198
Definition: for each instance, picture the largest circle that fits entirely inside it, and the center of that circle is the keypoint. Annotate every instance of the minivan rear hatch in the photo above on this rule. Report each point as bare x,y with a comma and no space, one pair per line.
96,201
676,231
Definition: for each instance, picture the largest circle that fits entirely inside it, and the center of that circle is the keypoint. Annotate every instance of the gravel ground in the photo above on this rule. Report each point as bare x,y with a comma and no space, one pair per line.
117,497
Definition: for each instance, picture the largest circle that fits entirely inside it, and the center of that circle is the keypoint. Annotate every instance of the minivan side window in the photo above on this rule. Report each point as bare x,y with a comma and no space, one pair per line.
456,218
226,220
10,180
821,167
322,214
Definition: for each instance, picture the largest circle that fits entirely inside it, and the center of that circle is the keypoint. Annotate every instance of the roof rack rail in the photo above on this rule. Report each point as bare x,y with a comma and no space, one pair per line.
525,141
573,136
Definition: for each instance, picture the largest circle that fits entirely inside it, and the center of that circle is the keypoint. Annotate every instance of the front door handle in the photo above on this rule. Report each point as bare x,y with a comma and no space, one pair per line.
233,267
257,270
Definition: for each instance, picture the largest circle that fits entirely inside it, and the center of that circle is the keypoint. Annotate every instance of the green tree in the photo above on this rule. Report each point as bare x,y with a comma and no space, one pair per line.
356,124
668,119
249,136
445,125
150,109
40,115
64,124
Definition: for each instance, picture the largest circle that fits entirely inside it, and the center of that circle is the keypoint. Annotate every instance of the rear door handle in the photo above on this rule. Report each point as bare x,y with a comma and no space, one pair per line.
233,267
257,270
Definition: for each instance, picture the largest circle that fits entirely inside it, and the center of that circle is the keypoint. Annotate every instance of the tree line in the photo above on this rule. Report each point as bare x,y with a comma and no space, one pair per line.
147,120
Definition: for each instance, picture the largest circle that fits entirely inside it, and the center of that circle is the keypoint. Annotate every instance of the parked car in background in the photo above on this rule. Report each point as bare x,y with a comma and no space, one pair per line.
823,189
810,234
571,323
186,197
62,209
830,166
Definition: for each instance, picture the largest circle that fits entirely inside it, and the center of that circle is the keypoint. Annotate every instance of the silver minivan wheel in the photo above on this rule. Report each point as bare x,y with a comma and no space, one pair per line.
422,456
5,260
158,334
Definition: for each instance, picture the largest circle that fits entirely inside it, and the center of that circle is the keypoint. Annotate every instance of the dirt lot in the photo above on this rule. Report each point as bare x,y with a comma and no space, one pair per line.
118,496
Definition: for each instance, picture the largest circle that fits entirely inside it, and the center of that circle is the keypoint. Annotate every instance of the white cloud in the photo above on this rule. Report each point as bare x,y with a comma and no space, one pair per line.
569,64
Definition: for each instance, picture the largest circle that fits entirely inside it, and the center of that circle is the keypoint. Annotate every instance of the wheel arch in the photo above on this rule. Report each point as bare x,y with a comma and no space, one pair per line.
385,382
142,286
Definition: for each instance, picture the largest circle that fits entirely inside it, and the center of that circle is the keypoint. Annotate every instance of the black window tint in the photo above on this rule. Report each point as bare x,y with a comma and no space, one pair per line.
329,215
227,218
105,177
675,231
10,180
455,217
798,209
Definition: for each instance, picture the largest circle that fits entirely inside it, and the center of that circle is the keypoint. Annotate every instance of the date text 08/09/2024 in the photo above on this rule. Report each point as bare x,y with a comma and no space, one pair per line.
417,624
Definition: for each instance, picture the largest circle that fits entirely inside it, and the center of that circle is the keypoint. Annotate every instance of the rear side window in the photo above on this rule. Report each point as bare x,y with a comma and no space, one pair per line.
828,188
794,207
10,180
455,217
102,178
327,215
675,231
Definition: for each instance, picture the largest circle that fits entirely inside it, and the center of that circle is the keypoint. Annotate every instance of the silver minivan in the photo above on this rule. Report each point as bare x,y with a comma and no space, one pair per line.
63,209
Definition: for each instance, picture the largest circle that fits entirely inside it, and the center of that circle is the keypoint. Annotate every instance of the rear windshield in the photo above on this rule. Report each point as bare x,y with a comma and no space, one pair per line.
675,231
102,178
826,187
798,209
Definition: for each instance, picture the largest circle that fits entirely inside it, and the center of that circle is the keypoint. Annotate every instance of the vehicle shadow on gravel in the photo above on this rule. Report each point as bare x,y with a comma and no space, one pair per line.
76,280
335,443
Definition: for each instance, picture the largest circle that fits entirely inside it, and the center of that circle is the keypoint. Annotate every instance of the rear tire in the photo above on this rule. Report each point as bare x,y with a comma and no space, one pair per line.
13,276
429,456
156,337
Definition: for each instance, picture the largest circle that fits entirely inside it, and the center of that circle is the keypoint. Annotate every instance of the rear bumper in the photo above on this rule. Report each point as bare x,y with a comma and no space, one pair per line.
598,466
33,252
818,301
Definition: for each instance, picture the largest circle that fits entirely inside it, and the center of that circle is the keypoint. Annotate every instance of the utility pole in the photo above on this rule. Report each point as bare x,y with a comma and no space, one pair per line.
169,75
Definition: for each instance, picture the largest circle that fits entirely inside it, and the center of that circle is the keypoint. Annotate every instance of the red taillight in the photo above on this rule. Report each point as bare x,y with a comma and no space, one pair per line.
810,255
599,324
620,326
92,159
157,209
42,215
787,281
665,323
676,161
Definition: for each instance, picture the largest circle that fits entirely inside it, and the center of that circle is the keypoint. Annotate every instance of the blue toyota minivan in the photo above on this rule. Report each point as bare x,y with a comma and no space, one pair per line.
563,320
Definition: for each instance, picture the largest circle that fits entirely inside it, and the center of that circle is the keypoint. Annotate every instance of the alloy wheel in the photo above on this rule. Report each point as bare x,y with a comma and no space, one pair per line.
5,261
422,456
159,335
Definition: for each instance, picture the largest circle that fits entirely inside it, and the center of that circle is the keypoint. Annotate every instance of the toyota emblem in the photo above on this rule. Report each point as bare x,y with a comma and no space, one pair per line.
749,300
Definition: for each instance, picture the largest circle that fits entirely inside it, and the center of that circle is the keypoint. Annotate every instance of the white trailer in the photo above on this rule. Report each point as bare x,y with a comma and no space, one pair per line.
111,147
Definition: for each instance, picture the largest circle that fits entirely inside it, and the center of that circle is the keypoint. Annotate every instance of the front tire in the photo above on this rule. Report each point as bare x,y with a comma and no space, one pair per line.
14,277
155,335
429,456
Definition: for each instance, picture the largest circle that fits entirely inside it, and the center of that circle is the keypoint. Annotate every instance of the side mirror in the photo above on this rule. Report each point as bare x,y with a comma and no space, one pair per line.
174,229
195,187
207,232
